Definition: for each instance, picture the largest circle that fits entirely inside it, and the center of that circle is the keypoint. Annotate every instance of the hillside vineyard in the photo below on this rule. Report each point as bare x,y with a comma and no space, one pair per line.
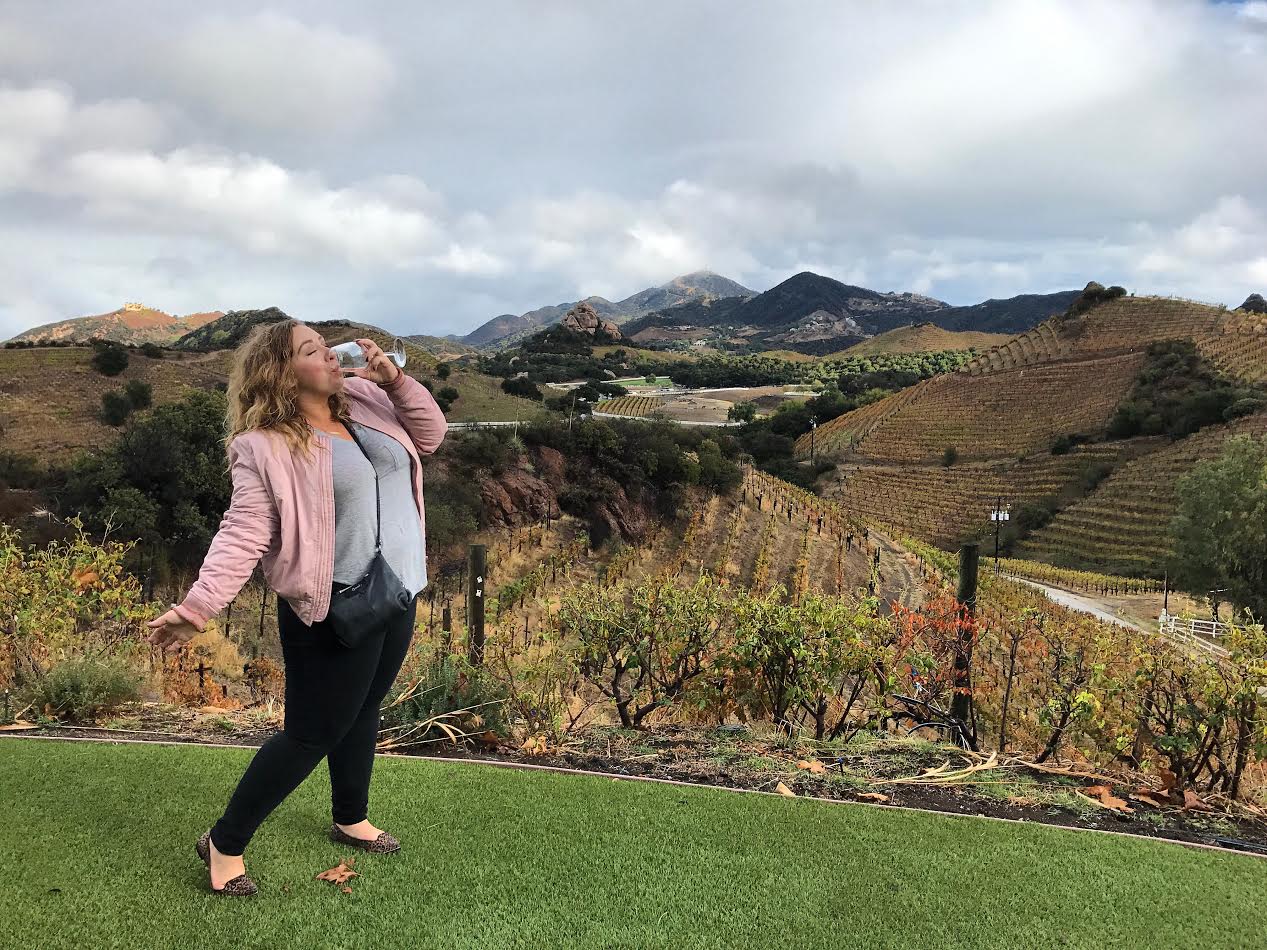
932,459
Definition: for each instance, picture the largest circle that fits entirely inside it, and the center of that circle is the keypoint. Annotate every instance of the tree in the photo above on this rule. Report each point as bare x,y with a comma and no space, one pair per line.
153,351
110,360
115,407
742,412
443,370
139,394
173,461
1220,525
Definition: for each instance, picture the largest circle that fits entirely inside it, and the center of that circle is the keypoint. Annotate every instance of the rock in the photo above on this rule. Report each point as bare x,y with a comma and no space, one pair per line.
517,497
1254,303
551,463
583,318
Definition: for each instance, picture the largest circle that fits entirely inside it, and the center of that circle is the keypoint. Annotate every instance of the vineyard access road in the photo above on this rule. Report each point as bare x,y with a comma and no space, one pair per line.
1101,610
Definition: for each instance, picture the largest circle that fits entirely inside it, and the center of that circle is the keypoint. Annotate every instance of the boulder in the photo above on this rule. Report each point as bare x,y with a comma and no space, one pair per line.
583,318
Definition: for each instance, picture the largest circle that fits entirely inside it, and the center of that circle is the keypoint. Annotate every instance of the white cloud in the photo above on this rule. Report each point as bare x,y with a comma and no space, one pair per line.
493,157
273,72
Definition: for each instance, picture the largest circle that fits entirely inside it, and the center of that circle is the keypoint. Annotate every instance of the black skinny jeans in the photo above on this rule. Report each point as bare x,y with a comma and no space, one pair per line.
333,696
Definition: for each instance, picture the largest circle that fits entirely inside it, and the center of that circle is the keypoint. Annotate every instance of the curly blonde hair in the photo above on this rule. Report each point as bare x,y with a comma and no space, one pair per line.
263,391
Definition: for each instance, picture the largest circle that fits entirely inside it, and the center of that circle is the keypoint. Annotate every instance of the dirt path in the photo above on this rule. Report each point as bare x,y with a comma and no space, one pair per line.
899,575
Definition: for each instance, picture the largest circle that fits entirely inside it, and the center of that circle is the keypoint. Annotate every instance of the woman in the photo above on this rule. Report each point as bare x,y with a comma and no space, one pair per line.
304,502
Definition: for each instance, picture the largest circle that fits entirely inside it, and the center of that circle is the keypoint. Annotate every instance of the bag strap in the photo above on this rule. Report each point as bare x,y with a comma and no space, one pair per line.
378,509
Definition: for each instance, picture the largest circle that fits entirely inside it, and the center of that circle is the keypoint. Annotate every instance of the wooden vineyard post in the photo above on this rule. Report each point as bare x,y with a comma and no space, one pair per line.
966,608
475,603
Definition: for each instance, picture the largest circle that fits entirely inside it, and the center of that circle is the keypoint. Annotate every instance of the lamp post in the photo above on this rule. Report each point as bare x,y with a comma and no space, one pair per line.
999,514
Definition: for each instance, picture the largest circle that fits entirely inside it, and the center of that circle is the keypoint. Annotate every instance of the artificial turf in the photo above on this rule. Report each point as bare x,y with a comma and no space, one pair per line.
98,851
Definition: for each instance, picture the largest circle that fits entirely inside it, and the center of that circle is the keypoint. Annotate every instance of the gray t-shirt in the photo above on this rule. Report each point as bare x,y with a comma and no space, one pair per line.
354,509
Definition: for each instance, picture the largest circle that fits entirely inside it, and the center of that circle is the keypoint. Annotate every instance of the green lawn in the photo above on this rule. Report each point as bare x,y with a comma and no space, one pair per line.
98,852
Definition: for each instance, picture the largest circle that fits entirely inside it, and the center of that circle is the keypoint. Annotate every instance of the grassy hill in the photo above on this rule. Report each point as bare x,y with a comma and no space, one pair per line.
52,395
1067,375
131,323
923,338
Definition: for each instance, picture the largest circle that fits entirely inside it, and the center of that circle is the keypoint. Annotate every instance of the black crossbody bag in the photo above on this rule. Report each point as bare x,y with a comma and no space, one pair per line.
379,597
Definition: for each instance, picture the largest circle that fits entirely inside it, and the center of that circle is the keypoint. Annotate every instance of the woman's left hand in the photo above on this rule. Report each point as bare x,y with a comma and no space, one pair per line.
379,367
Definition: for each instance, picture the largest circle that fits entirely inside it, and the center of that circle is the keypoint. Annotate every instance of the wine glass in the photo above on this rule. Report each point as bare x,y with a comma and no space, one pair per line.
351,356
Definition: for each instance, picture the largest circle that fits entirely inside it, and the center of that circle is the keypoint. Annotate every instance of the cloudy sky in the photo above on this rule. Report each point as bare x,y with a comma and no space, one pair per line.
427,166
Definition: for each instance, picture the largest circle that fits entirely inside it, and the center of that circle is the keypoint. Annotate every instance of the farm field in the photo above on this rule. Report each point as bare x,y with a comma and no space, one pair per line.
1122,527
1009,413
942,504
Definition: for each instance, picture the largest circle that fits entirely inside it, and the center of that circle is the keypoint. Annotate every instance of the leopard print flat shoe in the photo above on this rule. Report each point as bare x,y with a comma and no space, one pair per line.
240,886
383,844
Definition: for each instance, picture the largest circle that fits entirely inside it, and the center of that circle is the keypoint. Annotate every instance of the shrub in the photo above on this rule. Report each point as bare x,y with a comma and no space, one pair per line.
448,394
110,360
484,448
443,370
153,351
1061,445
115,407
20,471
522,386
140,395
449,696
79,689
950,456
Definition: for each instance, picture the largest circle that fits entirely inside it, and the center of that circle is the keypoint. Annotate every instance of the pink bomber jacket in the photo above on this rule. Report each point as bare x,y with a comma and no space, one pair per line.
282,509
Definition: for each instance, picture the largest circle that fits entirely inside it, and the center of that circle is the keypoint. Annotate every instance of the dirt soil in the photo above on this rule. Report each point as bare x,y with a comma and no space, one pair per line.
875,770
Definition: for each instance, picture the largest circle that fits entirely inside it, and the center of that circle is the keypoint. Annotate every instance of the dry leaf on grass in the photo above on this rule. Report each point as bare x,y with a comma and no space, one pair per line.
814,766
1103,795
1192,802
1151,796
784,790
535,745
873,796
340,874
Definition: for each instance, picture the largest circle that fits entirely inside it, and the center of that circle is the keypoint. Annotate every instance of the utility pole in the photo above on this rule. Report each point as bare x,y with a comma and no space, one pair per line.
999,515
813,428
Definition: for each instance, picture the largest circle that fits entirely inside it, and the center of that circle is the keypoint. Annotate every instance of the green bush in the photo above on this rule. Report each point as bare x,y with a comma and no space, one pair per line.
443,370
139,394
153,351
950,456
20,471
110,360
522,386
115,407
78,690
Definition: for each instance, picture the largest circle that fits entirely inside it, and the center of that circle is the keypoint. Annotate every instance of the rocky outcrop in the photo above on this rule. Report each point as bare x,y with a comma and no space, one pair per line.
1254,303
583,318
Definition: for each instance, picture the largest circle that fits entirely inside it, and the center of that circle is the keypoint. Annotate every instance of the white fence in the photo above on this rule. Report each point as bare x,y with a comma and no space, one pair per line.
1200,633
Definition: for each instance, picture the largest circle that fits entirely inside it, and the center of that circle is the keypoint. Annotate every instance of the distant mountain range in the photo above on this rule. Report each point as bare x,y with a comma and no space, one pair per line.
508,329
131,323
810,313
807,313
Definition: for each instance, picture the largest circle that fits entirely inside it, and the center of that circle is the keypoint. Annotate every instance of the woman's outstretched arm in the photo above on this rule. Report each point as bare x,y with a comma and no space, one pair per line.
245,533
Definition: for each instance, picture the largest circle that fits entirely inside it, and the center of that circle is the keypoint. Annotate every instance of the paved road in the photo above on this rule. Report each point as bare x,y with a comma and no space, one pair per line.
1082,602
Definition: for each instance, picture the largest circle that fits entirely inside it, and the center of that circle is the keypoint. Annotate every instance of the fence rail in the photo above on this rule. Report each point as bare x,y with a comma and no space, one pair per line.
1201,633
